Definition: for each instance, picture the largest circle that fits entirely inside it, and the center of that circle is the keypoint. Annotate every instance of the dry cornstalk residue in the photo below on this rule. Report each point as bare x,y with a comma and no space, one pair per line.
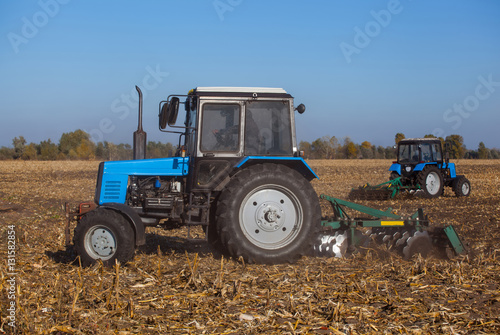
173,286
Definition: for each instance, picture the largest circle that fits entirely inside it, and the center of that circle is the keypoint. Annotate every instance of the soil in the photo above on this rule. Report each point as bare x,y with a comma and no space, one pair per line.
176,286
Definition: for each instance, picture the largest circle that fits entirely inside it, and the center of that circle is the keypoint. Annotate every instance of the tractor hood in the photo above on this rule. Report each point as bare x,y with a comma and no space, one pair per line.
112,179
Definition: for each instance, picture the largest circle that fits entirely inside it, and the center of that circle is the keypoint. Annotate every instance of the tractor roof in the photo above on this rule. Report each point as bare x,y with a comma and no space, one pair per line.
241,92
413,140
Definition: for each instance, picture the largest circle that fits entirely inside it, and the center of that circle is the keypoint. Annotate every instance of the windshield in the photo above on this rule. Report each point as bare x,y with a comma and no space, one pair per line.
408,153
421,152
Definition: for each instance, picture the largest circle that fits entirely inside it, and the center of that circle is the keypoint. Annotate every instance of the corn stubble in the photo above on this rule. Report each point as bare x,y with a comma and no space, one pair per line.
173,286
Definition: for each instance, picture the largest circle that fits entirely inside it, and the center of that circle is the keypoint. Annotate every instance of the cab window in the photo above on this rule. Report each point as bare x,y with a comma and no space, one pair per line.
426,152
408,153
220,128
268,128
436,152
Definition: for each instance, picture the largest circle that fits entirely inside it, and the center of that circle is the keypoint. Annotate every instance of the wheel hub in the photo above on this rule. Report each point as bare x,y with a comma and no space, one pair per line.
270,216
100,243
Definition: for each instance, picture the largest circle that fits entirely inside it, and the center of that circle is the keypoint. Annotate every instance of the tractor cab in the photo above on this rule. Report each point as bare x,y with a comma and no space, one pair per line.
415,151
224,126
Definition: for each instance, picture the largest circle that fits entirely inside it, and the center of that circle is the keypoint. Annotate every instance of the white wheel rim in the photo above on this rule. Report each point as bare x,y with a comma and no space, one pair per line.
432,183
271,217
100,243
465,188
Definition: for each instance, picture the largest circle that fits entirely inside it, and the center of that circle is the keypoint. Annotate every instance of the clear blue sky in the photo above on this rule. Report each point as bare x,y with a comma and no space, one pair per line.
364,69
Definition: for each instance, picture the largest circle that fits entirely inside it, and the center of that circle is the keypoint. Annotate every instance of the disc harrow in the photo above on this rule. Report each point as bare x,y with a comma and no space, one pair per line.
406,236
383,191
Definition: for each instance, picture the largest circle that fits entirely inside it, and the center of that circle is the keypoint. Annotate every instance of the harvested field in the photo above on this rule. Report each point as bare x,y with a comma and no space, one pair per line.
173,286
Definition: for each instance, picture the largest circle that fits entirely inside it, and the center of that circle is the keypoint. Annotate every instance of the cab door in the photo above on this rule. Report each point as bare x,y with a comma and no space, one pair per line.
219,142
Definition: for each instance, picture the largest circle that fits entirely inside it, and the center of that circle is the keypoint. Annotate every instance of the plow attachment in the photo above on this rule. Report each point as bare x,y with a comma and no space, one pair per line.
406,236
383,191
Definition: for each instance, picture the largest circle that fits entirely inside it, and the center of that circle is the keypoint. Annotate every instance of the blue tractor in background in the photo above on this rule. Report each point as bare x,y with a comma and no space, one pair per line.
421,165
237,173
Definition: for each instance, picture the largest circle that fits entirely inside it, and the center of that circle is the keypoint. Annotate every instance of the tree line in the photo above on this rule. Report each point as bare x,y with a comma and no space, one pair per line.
328,147
77,145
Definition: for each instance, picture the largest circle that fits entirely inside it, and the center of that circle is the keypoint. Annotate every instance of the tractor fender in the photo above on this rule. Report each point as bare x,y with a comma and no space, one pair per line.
396,167
296,163
421,166
451,167
133,217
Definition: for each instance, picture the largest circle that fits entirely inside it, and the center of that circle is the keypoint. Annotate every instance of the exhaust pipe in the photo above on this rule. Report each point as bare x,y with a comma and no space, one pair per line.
140,135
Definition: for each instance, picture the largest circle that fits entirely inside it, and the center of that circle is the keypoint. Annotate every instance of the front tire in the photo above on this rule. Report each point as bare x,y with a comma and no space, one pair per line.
268,214
106,235
431,182
461,187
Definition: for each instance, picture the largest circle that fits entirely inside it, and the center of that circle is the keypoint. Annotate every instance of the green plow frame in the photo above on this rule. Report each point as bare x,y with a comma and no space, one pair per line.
387,219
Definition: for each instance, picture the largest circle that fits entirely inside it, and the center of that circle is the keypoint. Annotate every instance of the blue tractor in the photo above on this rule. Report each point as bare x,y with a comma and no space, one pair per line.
421,165
237,173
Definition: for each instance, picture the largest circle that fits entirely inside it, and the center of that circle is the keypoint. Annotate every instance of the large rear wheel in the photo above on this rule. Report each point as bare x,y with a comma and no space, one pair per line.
106,235
431,181
268,213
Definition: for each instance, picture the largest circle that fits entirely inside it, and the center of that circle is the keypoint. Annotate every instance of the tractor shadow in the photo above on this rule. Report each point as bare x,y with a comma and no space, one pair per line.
175,245
66,256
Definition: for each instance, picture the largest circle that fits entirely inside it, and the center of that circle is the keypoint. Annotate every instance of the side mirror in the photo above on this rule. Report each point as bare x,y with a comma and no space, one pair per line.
168,113
301,108
164,116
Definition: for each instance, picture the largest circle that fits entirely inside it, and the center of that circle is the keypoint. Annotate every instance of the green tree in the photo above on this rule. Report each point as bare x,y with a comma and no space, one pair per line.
366,150
399,137
19,144
30,152
455,144
352,150
319,149
6,153
159,150
482,151
48,151
101,151
380,152
76,145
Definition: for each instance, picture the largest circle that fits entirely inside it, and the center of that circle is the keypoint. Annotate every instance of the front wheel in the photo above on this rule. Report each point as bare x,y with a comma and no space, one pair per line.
461,187
106,235
268,214
431,182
